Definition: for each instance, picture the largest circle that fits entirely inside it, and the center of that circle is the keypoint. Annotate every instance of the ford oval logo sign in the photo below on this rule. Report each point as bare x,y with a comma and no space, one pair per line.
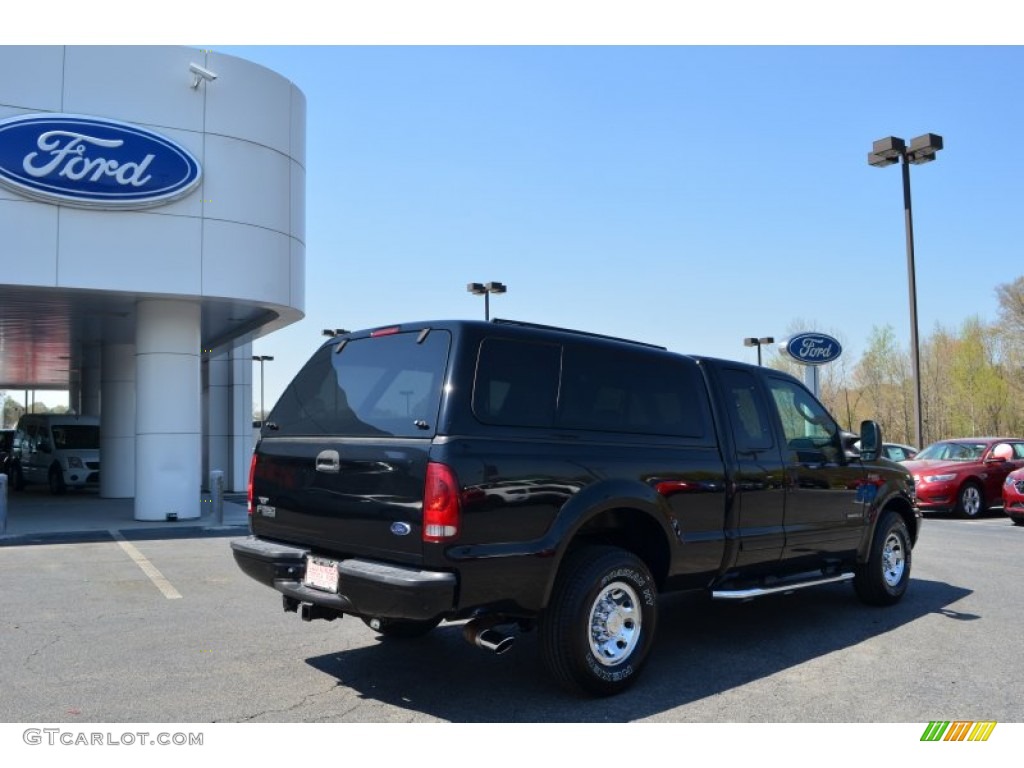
813,348
92,162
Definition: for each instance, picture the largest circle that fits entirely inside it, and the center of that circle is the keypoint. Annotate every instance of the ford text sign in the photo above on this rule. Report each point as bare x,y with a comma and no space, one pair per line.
92,162
813,348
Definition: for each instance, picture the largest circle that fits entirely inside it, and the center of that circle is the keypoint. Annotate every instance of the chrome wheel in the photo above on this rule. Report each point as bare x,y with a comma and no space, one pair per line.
970,500
894,560
598,628
615,624
883,577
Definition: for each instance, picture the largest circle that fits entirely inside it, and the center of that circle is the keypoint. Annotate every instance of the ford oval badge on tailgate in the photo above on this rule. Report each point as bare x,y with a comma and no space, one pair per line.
93,162
401,529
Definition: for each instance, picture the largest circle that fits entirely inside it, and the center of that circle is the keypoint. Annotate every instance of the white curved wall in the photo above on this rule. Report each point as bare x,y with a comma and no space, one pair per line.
237,240
240,235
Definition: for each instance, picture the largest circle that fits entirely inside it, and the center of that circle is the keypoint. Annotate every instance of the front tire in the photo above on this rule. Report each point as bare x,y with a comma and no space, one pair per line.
17,480
56,480
599,626
970,501
883,579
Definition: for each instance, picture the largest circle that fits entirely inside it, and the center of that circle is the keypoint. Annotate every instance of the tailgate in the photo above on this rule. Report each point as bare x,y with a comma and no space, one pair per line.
341,462
343,496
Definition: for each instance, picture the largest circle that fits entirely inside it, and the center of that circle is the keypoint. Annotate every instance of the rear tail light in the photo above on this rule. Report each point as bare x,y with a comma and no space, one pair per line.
252,473
442,512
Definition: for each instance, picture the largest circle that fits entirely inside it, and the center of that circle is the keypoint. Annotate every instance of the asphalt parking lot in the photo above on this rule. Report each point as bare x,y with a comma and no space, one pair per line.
159,625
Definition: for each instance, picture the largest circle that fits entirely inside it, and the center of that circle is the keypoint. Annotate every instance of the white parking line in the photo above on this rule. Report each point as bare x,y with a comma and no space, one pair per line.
147,567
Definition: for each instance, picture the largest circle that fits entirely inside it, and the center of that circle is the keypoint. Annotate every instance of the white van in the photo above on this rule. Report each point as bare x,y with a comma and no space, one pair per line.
60,449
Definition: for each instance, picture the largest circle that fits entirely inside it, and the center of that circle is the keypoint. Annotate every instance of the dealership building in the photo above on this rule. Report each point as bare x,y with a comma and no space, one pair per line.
152,220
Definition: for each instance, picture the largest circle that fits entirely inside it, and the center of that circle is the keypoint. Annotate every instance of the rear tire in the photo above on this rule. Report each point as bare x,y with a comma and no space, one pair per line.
401,628
598,629
883,579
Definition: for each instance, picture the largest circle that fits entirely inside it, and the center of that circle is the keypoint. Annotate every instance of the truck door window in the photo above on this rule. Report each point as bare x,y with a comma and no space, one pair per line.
751,428
809,429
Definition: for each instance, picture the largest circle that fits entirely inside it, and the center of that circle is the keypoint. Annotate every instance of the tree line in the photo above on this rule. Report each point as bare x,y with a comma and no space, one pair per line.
13,409
972,378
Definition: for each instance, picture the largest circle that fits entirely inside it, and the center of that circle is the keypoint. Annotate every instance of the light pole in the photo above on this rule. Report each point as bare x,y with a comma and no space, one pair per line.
885,152
752,341
485,290
261,359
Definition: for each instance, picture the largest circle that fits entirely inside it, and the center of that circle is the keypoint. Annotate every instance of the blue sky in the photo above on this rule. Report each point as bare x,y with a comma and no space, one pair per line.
684,195
684,177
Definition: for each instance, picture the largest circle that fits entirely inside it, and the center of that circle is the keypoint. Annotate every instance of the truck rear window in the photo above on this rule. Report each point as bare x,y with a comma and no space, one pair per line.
377,386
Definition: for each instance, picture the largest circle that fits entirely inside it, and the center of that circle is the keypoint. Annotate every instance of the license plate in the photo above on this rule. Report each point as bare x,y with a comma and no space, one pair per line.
321,573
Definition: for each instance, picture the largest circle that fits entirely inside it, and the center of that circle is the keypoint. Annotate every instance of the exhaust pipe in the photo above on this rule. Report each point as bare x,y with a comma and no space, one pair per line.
309,612
482,634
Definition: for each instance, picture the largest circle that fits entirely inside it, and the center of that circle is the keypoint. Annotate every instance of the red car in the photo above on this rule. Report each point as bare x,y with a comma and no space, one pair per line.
1013,496
965,475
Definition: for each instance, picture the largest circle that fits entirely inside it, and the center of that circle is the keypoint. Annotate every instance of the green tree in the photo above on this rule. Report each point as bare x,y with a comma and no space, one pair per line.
12,411
1011,305
1010,330
981,393
882,378
936,385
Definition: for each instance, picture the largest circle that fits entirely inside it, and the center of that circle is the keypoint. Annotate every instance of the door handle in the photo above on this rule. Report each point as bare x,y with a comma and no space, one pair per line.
328,461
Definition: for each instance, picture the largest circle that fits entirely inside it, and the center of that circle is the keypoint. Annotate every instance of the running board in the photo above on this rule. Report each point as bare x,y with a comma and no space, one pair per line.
750,594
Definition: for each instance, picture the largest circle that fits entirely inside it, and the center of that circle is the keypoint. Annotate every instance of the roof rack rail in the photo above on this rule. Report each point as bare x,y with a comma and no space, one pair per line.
525,324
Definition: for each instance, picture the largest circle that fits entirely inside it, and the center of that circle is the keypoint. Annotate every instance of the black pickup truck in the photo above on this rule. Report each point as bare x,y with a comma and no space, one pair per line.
513,476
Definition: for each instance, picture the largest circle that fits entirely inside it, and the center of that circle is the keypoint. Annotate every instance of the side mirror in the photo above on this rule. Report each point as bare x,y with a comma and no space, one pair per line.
870,440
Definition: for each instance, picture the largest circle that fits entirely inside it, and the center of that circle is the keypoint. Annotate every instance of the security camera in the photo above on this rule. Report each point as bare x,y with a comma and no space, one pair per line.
199,74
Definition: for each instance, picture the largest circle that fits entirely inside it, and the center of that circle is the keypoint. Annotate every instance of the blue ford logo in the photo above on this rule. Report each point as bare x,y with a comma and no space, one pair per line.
401,529
813,348
92,162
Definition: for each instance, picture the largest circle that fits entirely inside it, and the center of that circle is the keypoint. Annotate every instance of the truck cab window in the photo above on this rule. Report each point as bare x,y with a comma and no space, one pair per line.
810,431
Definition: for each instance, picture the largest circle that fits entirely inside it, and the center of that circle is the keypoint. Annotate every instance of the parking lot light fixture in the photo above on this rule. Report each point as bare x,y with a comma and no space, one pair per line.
485,290
889,151
754,341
